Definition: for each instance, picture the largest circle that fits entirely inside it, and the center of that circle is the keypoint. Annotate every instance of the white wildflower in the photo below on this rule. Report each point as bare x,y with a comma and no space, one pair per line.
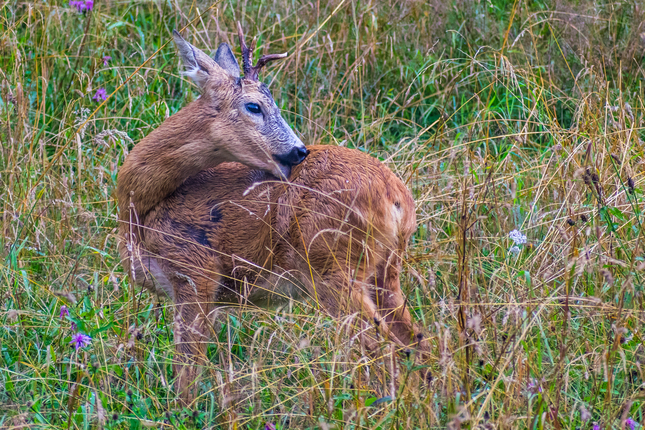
517,237
514,251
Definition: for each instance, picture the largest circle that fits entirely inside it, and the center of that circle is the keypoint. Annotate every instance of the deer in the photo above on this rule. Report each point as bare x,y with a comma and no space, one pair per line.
222,204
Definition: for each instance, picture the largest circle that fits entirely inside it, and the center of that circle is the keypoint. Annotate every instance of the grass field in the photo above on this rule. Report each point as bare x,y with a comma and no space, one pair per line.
499,115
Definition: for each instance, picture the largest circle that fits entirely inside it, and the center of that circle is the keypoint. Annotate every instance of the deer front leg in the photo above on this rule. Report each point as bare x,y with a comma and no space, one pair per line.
191,332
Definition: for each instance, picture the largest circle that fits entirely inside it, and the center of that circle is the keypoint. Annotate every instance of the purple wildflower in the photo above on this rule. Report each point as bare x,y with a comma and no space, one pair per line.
596,427
82,5
100,95
77,4
64,312
80,340
533,388
630,423
269,426
106,59
74,327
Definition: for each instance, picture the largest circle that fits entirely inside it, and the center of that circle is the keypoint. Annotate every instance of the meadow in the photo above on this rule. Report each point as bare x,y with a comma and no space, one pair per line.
518,126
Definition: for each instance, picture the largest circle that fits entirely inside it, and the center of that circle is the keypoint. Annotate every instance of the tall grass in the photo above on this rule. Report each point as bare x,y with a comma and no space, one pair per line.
499,116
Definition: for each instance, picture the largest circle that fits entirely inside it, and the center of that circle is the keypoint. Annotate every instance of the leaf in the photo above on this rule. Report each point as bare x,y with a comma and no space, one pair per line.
102,329
376,402
118,370
617,213
51,355
369,401
115,25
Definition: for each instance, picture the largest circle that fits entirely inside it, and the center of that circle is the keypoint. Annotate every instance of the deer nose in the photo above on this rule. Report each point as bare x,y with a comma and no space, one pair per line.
293,157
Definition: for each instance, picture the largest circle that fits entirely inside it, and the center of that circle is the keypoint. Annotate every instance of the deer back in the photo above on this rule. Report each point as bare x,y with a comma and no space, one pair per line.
341,209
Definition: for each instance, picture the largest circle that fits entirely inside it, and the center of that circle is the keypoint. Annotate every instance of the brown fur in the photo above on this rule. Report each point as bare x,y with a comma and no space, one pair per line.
206,233
213,129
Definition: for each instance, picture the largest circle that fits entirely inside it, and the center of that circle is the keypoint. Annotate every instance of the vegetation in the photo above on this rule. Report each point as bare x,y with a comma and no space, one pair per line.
499,115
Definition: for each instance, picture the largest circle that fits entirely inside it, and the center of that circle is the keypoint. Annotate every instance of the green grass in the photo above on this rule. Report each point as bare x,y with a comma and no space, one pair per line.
499,115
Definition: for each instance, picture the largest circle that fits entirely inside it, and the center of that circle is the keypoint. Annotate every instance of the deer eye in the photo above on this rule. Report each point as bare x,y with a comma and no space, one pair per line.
253,108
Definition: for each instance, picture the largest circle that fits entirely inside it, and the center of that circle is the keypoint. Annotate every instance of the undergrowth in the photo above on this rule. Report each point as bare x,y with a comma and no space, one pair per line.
518,126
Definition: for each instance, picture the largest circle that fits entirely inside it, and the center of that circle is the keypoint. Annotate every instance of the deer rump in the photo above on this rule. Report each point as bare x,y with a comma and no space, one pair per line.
334,234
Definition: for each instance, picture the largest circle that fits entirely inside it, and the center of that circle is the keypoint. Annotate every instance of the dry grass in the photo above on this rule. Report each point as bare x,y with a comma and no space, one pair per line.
500,116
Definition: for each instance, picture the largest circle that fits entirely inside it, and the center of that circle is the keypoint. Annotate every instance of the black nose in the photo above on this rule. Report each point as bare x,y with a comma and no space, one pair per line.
293,157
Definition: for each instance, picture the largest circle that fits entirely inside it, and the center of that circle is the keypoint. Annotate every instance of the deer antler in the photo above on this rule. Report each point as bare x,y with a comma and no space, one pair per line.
251,71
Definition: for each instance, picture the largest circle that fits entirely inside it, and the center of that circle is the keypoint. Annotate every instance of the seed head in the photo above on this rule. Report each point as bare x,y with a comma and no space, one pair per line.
587,178
609,278
585,415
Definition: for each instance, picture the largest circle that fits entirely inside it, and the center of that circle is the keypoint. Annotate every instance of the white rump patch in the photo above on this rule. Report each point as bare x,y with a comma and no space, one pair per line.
397,215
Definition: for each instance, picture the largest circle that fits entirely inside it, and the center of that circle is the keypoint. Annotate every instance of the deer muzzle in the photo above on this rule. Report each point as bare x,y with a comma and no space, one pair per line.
292,158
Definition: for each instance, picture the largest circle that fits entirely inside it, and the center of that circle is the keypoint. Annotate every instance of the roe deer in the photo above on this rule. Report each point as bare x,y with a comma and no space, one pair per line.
205,232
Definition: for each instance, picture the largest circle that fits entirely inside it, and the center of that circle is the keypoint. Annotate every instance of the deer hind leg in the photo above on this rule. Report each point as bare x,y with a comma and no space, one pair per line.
391,304
194,302
378,300
376,293
392,307
340,295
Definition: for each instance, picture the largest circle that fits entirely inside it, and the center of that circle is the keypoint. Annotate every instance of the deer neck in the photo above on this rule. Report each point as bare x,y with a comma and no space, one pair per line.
179,148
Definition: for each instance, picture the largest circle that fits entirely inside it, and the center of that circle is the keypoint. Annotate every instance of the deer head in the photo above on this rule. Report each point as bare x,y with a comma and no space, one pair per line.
243,118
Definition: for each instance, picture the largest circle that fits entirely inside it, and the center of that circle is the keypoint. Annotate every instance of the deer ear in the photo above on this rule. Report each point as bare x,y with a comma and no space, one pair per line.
199,66
226,60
